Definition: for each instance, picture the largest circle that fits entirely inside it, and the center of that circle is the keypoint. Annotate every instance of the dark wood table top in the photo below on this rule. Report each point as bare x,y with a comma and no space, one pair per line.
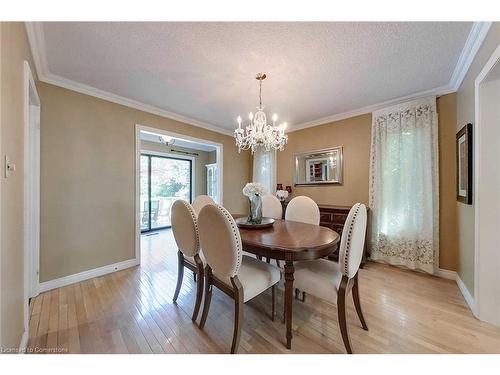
290,240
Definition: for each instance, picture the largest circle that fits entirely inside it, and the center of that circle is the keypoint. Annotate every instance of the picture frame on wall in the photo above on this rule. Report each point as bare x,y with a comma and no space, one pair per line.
464,164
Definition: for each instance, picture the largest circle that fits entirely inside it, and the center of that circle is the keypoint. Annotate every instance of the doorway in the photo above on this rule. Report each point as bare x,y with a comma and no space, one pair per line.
486,187
31,190
164,179
171,166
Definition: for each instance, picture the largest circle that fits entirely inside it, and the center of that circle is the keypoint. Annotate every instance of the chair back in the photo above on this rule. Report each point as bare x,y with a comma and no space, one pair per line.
302,209
220,240
271,207
201,201
185,228
353,240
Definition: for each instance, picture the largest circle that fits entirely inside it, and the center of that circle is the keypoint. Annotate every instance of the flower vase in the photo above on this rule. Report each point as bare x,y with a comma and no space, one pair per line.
255,211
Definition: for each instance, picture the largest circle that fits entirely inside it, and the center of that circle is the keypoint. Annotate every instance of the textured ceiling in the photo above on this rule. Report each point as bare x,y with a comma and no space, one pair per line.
205,71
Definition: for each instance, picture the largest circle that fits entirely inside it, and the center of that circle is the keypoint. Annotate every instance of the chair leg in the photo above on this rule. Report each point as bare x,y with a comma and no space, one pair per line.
199,286
341,312
297,294
273,300
180,274
278,263
194,276
238,313
208,296
284,309
357,303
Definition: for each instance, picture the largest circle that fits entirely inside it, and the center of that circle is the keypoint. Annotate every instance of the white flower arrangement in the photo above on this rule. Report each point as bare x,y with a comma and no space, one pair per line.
254,188
282,195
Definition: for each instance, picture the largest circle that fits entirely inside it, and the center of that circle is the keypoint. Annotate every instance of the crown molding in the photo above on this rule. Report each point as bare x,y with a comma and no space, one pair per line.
34,30
443,90
37,44
476,37
105,95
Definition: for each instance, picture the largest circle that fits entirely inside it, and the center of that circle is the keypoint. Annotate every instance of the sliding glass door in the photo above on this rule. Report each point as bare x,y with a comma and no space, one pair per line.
163,180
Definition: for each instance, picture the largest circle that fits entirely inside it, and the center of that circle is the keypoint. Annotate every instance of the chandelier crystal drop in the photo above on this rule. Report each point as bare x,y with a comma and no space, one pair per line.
258,133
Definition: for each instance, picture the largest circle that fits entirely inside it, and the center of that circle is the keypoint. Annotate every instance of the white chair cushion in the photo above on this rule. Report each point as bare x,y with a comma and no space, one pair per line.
255,277
271,207
220,240
185,228
201,201
303,209
320,278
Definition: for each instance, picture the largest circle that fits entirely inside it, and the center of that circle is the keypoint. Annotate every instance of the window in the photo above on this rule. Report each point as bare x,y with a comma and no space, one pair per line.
163,180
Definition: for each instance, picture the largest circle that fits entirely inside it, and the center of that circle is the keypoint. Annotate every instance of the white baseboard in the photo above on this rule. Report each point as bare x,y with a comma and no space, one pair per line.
446,274
24,343
467,296
85,275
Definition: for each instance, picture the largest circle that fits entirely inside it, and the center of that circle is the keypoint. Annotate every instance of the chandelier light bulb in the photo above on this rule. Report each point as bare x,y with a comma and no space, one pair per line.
250,116
239,121
275,117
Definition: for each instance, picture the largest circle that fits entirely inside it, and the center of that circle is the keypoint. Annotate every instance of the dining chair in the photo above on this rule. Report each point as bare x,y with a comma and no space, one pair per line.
186,235
271,207
302,209
201,201
332,281
240,277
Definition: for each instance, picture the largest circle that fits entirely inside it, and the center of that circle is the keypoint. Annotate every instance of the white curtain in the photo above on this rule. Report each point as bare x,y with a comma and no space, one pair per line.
404,185
264,169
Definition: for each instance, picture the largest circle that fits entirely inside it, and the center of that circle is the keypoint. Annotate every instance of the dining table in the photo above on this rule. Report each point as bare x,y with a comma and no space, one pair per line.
289,241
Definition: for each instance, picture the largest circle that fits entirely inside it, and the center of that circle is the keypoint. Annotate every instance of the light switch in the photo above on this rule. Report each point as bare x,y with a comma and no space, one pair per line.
9,167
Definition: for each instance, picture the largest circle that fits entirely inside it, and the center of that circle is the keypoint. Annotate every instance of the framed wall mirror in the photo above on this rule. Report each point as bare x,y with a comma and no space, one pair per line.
319,167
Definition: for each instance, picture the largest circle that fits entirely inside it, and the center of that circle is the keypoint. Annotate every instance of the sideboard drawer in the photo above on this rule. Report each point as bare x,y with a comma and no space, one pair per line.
339,218
326,217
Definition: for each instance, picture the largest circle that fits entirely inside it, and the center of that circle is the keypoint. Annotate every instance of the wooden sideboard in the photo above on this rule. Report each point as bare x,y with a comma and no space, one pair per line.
333,217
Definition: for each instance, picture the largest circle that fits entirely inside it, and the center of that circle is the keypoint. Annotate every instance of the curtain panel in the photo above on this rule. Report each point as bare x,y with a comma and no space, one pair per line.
264,169
404,185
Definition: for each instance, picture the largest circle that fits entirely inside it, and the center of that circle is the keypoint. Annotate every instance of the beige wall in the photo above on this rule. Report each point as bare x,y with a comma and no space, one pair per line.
88,183
465,114
447,112
354,134
14,51
199,165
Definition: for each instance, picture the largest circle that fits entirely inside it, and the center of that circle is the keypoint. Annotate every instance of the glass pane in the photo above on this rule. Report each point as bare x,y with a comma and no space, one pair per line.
170,180
144,193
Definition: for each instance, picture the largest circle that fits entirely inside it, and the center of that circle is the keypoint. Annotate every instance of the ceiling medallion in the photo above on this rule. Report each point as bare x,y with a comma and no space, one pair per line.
258,133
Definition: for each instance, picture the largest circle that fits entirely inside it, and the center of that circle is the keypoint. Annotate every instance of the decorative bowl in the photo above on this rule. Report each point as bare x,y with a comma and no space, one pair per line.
267,222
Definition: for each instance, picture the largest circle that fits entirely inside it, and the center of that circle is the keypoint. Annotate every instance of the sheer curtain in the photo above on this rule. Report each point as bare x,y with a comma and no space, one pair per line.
404,185
264,168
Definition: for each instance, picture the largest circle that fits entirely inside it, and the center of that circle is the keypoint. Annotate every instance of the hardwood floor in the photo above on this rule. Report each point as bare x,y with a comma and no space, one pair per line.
131,311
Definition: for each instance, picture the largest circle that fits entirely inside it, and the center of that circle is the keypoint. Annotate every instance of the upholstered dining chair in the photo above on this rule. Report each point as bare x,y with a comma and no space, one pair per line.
240,277
271,207
201,201
186,235
302,209
332,281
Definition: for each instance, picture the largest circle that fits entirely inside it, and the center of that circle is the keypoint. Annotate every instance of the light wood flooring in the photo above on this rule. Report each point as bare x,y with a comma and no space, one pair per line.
131,311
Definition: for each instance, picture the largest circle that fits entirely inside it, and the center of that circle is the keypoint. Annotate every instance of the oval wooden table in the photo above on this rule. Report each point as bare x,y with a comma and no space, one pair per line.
290,241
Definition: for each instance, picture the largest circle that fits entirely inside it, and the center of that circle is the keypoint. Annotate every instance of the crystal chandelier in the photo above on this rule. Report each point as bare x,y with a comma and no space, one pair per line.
258,132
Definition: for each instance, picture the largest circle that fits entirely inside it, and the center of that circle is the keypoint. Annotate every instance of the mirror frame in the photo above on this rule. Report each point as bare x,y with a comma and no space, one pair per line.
319,151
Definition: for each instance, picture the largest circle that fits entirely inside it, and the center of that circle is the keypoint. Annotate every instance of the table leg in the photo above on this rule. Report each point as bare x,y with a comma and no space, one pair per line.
289,270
